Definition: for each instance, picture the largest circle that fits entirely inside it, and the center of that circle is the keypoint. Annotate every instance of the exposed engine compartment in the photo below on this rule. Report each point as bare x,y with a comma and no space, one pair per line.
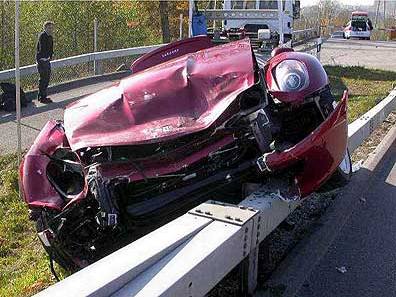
120,202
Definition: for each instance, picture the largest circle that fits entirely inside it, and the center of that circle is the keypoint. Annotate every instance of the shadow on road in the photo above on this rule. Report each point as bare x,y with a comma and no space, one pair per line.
33,109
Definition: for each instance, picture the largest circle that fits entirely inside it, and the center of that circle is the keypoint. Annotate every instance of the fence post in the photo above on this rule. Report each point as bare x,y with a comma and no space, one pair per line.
181,26
95,63
18,83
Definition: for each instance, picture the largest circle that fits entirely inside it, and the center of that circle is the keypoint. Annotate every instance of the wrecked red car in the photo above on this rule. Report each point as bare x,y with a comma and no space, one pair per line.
193,122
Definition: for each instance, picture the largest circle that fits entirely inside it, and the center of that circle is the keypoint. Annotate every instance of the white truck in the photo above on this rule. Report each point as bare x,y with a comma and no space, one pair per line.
242,18
271,18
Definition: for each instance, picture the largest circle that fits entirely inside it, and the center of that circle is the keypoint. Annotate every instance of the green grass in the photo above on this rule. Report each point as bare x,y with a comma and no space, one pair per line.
24,266
366,86
23,263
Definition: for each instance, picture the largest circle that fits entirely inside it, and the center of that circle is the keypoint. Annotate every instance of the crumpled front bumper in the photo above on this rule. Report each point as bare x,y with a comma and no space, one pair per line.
36,187
319,154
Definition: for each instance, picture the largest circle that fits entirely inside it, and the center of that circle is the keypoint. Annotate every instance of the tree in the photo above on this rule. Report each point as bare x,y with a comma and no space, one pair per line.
121,24
328,10
164,10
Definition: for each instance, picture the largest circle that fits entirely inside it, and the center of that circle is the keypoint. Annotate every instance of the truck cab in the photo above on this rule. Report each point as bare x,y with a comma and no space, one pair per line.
263,21
269,19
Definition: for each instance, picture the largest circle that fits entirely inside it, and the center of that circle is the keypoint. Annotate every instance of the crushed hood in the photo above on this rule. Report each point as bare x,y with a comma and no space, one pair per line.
182,96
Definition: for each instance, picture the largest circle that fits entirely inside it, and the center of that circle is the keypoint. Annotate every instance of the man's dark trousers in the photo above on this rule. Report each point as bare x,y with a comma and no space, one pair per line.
44,69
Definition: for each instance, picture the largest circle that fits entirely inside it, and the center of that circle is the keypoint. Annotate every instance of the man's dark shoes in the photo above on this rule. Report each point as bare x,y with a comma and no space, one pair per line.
45,100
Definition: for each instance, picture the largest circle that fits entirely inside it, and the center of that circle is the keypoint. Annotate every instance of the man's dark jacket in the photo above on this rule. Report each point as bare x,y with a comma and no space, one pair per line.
45,46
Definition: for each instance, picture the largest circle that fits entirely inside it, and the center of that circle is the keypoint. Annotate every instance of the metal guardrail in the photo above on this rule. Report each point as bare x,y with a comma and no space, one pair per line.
191,254
310,32
361,128
84,58
301,36
186,257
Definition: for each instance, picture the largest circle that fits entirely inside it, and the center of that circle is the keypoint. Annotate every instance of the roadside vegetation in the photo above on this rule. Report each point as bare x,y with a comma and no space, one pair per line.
367,87
23,263
121,24
24,266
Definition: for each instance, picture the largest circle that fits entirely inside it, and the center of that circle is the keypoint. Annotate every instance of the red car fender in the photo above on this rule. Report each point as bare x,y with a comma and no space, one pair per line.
37,189
320,153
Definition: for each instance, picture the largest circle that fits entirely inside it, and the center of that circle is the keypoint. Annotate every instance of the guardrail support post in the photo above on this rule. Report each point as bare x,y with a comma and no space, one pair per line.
248,271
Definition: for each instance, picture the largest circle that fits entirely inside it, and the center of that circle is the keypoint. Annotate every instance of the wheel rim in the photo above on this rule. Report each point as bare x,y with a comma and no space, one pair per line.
345,165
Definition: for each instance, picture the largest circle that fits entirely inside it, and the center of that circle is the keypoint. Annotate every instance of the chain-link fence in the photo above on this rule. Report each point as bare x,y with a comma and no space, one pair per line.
78,71
58,75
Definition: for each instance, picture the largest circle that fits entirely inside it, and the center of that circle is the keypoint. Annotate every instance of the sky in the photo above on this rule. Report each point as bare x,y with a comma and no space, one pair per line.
357,2
350,2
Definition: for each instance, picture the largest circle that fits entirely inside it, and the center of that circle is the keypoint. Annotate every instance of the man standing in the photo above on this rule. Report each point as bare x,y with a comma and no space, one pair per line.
45,50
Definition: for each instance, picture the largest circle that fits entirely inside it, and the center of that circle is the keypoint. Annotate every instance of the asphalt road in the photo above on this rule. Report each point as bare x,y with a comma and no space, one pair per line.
371,54
352,252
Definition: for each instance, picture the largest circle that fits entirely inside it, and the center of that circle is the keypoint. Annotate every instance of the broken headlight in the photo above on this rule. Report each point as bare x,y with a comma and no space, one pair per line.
291,76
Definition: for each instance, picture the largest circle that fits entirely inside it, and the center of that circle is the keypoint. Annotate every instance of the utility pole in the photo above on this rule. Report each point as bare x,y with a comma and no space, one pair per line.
17,81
